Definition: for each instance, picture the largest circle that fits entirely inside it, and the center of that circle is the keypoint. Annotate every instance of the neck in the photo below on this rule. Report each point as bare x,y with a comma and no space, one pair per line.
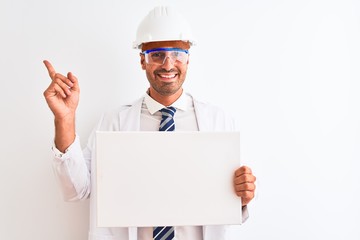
165,100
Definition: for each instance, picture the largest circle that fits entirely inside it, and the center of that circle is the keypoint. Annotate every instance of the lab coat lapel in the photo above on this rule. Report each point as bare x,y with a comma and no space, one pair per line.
202,116
129,118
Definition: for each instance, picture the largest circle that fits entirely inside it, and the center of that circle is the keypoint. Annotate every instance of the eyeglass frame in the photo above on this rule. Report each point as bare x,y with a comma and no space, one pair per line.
146,53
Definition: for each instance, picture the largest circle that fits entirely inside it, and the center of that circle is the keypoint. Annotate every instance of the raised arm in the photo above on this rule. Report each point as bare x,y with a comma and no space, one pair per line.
62,97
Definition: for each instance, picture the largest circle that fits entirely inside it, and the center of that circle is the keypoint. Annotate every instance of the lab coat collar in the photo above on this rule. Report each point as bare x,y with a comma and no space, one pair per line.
129,118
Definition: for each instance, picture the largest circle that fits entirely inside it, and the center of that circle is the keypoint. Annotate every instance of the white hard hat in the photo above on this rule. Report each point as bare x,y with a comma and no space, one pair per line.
163,23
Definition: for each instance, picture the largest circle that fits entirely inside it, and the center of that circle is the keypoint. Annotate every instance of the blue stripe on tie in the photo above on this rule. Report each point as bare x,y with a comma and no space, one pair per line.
167,122
168,126
157,230
163,233
170,236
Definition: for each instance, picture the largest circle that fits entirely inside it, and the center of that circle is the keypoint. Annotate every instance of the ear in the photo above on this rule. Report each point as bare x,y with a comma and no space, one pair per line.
142,61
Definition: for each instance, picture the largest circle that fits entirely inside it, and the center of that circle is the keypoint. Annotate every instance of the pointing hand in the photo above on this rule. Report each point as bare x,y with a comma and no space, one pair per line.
62,95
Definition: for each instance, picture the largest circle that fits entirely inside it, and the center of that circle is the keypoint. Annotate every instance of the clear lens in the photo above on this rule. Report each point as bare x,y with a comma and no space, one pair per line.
158,56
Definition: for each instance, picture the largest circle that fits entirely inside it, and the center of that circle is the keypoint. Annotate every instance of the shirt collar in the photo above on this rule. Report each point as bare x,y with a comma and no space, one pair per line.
154,106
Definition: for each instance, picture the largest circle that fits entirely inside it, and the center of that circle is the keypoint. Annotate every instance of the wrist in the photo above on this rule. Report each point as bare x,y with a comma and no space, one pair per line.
64,132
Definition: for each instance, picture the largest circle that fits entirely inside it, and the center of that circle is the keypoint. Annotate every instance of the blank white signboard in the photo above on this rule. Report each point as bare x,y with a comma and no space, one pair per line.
167,178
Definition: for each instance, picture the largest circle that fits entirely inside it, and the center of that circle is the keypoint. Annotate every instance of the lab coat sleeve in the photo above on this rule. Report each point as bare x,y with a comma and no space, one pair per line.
72,172
245,213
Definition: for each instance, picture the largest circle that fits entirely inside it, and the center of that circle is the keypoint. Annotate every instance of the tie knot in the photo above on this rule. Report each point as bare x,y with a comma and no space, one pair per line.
168,111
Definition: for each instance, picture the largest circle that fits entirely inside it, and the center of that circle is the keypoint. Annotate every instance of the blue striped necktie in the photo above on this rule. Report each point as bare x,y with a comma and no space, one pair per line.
167,124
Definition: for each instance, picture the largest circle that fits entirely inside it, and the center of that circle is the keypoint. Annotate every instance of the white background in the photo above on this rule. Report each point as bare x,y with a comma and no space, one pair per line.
288,70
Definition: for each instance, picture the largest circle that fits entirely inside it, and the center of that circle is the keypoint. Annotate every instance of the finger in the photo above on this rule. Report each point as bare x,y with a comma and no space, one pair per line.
59,90
246,194
63,86
245,187
245,178
243,170
74,81
50,68
55,89
64,79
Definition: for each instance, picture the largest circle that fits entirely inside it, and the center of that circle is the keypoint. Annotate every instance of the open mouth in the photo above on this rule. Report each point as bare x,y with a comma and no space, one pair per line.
167,77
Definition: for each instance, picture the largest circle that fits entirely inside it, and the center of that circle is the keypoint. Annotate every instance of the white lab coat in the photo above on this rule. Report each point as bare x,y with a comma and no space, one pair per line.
77,173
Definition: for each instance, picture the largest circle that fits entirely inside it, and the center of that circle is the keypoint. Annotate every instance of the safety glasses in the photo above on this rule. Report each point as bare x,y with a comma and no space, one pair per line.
158,56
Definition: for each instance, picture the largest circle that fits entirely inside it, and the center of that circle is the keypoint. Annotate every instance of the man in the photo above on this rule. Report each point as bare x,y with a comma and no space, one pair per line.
164,57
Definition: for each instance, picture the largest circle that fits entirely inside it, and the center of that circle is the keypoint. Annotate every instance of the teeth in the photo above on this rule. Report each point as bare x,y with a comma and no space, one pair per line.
167,76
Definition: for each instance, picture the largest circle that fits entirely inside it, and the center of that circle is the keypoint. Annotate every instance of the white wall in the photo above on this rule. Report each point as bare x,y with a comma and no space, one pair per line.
288,69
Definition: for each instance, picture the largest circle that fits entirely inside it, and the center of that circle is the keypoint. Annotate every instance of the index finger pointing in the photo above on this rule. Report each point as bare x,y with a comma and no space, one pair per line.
50,68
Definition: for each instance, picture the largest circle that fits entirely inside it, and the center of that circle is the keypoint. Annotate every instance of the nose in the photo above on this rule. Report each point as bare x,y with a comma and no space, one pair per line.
168,63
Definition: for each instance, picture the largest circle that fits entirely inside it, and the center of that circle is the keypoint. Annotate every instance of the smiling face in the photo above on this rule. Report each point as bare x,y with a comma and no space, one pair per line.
165,80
